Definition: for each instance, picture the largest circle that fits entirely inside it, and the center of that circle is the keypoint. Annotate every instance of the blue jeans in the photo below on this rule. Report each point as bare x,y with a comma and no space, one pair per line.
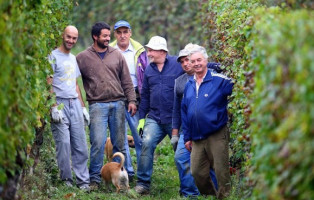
183,163
182,160
133,123
102,115
153,134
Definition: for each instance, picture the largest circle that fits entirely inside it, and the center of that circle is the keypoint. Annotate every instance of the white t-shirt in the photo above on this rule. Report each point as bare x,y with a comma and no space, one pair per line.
66,71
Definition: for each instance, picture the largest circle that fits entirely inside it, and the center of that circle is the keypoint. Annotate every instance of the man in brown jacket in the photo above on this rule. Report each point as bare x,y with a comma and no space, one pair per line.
108,86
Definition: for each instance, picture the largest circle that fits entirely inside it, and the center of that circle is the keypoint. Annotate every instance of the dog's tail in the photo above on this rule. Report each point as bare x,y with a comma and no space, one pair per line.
119,154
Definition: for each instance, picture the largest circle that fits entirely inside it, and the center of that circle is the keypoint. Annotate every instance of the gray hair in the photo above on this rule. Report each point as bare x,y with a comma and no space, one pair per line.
194,48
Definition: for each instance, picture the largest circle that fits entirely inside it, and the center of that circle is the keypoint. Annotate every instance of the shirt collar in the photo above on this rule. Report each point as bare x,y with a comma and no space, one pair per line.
194,77
130,47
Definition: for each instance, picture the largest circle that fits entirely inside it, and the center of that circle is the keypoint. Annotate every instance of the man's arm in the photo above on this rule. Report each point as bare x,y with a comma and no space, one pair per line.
143,62
175,118
214,66
185,127
227,85
127,86
84,110
78,90
145,99
52,62
176,113
56,114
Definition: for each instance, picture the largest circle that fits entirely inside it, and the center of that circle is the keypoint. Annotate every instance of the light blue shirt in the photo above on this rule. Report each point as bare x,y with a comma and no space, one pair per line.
129,55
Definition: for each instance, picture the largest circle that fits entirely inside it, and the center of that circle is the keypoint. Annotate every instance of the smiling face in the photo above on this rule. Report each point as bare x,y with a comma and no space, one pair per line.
102,41
199,63
186,65
69,38
123,35
156,56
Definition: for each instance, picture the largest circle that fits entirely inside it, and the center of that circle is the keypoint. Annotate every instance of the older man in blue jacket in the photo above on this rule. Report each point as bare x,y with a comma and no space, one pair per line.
204,124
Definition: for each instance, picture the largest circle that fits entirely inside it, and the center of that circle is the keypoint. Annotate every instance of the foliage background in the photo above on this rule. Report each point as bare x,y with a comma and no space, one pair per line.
228,24
267,47
283,110
175,20
28,32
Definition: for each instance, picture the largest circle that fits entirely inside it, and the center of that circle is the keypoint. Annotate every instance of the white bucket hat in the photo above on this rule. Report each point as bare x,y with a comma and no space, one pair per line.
157,43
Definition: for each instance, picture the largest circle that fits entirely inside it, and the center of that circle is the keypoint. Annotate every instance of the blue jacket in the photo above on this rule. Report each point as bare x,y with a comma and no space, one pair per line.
179,86
206,112
157,91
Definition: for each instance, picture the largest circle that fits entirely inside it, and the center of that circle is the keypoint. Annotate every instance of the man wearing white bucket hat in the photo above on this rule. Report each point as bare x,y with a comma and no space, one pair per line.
155,111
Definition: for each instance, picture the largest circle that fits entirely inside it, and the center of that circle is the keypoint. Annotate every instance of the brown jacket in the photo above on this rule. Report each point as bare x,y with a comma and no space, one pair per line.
107,79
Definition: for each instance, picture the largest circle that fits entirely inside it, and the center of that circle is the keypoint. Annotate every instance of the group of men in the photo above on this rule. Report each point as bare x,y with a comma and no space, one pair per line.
121,78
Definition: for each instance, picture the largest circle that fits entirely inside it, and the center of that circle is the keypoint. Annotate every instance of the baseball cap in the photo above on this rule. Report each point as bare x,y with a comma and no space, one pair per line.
122,23
182,53
157,43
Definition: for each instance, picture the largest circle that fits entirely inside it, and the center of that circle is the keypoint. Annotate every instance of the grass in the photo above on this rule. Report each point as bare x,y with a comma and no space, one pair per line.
45,183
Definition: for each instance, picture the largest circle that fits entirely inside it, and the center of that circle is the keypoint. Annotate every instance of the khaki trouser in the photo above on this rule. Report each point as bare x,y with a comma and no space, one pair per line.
212,152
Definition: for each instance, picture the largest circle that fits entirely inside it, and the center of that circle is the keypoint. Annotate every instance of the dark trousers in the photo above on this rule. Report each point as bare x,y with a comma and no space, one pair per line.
212,152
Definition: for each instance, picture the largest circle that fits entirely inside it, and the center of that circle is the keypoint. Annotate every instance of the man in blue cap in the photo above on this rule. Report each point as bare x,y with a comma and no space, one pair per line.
136,58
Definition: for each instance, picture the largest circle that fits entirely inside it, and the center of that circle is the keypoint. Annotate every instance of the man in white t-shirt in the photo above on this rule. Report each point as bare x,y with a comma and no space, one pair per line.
68,113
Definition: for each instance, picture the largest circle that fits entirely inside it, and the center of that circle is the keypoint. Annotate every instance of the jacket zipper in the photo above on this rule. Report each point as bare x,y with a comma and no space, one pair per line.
196,103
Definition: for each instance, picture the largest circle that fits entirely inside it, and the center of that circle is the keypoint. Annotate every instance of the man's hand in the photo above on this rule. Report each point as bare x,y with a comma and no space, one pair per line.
49,79
132,108
174,142
86,116
140,127
56,114
188,145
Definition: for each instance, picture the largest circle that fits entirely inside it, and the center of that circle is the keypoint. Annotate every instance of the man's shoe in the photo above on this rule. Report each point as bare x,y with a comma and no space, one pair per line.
68,183
85,188
94,186
141,190
131,179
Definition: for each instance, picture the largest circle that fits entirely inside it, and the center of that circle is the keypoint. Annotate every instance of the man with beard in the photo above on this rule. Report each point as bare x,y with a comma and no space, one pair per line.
68,113
108,85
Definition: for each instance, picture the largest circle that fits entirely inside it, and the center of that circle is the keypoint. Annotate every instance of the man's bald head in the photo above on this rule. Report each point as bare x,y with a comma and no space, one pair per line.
70,29
69,37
